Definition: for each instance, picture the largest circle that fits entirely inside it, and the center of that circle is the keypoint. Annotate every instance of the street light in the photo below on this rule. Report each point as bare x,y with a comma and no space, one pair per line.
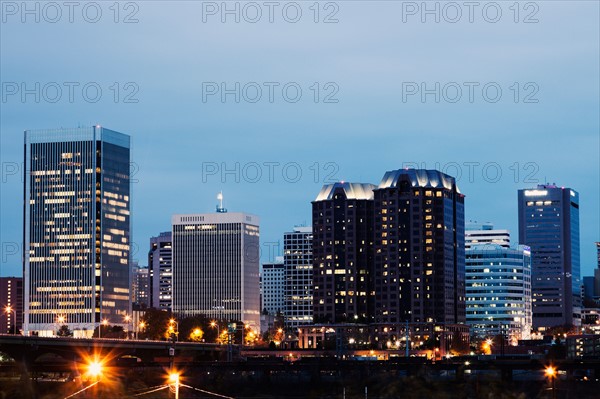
103,323
142,326
214,324
487,346
173,330
127,319
550,372
174,378
59,320
95,369
9,310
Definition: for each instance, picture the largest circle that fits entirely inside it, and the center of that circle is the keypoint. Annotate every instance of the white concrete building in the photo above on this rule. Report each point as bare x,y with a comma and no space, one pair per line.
216,266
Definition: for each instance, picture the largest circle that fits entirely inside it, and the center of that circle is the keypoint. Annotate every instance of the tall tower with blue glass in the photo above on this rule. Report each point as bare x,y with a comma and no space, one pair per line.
76,243
549,224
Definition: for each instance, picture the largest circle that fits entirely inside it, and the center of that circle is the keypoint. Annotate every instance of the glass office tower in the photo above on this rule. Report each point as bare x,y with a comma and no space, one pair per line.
76,229
298,275
498,286
549,224
160,264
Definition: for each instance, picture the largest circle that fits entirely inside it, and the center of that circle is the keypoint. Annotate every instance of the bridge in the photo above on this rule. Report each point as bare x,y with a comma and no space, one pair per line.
31,355
31,348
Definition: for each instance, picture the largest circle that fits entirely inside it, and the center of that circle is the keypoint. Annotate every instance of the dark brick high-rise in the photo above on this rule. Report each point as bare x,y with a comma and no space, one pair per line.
343,253
419,267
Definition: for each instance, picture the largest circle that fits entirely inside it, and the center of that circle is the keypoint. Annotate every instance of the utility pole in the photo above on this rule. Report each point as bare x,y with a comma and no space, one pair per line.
406,340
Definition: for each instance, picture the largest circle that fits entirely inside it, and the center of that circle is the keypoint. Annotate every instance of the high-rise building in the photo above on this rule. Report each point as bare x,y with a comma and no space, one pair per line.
298,286
484,233
272,284
549,224
76,229
343,253
498,289
160,265
591,285
216,266
419,268
11,305
588,292
140,285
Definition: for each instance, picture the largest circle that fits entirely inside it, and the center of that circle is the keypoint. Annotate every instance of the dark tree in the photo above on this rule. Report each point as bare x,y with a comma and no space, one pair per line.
64,331
155,324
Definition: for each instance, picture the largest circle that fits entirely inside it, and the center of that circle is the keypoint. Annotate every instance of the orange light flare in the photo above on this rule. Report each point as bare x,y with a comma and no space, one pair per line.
174,377
550,372
96,367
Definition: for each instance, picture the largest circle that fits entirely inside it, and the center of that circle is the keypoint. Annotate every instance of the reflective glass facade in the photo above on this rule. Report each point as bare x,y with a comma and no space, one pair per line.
549,224
76,229
160,263
298,275
498,287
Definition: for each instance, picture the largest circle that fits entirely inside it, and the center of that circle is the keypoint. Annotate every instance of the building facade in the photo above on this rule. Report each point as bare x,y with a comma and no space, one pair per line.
549,224
298,269
140,286
272,287
484,233
76,229
216,266
160,265
419,267
498,288
343,253
11,305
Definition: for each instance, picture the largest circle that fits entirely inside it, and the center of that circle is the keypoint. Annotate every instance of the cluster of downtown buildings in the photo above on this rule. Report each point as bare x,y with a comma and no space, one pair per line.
393,259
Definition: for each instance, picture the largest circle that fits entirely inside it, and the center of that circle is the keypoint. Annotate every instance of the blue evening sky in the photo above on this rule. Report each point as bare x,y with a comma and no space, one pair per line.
360,112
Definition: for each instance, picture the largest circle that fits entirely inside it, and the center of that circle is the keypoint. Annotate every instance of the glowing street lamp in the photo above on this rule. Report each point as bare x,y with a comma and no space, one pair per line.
550,372
127,319
103,323
141,326
215,325
487,346
95,369
173,328
60,320
174,379
8,310
197,334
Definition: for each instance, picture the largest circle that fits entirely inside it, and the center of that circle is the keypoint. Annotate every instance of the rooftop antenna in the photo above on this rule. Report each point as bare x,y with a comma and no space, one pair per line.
220,208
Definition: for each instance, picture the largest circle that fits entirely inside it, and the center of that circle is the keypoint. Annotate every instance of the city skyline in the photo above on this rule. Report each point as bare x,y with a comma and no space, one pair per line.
368,54
346,198
273,246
